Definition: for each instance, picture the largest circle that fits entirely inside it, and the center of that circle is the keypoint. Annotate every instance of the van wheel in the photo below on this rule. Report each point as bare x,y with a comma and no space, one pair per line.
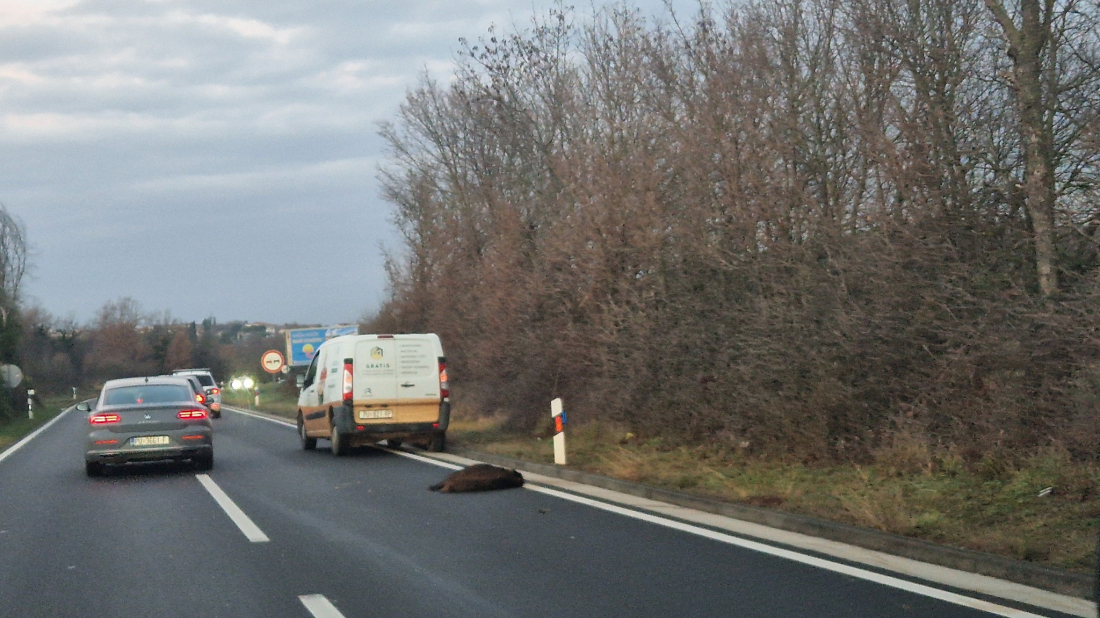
338,447
308,443
437,442
393,443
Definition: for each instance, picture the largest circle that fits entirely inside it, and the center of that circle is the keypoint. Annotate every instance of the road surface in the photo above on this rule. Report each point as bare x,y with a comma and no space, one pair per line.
277,531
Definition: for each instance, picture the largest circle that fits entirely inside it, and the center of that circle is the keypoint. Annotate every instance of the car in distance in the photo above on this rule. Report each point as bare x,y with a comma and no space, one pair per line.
147,420
201,395
208,384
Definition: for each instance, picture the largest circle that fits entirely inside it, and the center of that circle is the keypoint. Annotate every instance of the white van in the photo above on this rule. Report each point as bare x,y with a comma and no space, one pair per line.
360,389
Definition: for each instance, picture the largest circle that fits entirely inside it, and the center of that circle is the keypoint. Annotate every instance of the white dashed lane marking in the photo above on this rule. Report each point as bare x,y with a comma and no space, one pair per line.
319,606
250,529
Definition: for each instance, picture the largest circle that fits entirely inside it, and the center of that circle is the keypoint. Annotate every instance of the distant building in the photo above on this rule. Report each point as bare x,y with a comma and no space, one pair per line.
268,329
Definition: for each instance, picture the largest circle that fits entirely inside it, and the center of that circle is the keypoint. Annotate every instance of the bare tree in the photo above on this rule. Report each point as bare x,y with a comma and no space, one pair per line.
13,262
1051,44
793,224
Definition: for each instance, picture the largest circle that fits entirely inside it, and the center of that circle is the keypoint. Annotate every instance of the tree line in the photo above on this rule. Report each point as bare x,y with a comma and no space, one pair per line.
58,354
817,229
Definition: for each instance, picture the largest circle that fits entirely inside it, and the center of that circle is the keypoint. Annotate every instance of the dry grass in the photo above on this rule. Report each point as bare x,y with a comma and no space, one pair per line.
274,399
11,431
992,505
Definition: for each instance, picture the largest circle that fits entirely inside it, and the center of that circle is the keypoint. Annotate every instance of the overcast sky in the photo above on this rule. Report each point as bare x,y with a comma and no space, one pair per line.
218,157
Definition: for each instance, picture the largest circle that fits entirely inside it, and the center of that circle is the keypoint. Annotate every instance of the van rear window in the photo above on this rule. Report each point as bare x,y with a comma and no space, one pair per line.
205,379
147,393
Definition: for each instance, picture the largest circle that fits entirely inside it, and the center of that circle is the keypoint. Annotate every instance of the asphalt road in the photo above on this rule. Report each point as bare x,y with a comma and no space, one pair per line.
362,536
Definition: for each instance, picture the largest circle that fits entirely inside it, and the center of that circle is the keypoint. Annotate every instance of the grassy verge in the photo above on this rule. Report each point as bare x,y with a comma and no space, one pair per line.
15,429
274,399
996,508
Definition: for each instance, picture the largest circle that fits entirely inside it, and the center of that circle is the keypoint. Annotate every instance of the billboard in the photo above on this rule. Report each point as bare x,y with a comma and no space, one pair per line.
302,343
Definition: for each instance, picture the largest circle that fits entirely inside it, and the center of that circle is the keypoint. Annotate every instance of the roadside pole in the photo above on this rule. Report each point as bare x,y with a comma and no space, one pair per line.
30,403
558,414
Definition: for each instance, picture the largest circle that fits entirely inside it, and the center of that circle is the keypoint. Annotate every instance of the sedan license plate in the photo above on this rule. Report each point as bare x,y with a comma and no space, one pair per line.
369,414
149,440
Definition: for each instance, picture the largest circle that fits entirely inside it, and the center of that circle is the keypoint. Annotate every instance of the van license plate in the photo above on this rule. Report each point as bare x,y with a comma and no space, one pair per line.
149,440
368,414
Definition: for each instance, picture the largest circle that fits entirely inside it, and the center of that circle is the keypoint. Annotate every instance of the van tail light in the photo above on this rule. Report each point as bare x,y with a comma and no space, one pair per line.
103,419
215,391
192,415
444,385
349,379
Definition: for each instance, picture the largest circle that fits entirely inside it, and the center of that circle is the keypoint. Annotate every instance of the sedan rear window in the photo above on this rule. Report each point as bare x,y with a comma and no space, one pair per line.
147,393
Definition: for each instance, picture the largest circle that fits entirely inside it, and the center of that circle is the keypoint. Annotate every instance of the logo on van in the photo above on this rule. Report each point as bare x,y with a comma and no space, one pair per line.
376,353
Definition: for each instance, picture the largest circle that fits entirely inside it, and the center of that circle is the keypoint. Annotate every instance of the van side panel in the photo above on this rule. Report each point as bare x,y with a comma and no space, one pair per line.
311,404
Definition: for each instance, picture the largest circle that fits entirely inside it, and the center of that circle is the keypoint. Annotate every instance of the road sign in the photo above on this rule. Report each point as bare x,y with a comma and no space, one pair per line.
302,343
273,361
10,375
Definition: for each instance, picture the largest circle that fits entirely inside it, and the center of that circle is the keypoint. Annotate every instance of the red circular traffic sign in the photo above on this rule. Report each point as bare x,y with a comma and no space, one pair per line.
273,361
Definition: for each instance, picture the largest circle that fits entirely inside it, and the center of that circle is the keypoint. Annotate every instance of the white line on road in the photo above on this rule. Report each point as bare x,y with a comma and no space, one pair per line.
18,445
886,580
836,567
851,571
319,606
250,530
261,417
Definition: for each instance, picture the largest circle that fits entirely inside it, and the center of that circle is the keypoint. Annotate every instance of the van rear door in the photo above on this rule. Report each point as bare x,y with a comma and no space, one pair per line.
376,371
417,370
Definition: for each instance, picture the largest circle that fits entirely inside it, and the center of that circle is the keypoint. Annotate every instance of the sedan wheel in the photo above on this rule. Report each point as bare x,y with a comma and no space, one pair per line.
205,463
93,468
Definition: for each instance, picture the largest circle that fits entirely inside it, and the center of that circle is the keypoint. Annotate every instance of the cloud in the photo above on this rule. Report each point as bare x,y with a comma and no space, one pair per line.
146,141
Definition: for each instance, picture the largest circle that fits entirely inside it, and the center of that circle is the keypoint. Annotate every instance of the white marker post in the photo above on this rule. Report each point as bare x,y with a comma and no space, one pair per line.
558,415
30,403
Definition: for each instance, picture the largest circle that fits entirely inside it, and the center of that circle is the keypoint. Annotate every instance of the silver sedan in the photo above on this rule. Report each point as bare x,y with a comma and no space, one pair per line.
147,419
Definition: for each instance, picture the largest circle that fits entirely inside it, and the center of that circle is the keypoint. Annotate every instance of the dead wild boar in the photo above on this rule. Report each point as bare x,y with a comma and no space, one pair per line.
479,477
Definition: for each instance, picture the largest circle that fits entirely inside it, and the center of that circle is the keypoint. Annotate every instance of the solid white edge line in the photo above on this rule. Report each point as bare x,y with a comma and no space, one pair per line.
851,571
251,531
319,606
787,554
18,445
285,423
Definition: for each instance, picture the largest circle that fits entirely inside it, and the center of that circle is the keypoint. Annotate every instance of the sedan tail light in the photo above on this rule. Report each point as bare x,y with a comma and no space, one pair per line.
191,414
103,419
200,398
